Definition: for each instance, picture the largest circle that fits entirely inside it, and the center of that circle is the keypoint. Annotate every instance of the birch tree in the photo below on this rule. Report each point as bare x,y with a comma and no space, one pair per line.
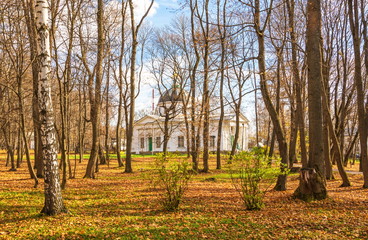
53,197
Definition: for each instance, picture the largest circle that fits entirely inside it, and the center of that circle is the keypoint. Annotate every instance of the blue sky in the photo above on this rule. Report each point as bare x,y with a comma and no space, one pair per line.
164,11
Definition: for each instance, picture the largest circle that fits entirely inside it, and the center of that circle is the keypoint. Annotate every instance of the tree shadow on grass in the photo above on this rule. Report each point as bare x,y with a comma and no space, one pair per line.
20,213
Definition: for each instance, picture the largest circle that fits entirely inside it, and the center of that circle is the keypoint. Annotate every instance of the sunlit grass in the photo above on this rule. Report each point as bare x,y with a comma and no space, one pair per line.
119,205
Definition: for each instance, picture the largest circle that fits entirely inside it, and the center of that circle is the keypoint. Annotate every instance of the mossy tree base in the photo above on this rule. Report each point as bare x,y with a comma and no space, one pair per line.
311,186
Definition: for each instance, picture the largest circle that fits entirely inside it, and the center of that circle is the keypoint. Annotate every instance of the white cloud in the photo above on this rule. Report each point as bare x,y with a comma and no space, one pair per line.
141,7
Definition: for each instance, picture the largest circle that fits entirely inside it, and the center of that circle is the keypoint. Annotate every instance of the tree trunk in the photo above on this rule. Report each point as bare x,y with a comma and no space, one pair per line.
53,198
194,121
325,125
237,126
281,181
362,118
166,132
19,149
336,145
223,34
298,83
312,185
120,86
118,131
81,120
23,131
132,95
9,147
130,125
28,7
206,91
272,141
107,118
96,100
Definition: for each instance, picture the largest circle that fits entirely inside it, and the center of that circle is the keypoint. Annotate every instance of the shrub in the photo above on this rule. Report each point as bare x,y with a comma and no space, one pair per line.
252,174
172,174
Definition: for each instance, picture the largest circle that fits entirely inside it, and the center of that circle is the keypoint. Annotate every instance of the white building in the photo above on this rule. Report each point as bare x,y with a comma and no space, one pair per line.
148,134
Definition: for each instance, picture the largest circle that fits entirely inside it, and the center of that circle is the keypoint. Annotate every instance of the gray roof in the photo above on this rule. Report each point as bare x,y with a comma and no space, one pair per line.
172,95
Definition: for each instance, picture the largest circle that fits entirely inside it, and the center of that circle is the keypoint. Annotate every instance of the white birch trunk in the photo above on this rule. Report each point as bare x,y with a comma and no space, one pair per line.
53,198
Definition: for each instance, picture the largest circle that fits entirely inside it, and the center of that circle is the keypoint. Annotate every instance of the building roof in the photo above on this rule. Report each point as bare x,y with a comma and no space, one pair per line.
174,94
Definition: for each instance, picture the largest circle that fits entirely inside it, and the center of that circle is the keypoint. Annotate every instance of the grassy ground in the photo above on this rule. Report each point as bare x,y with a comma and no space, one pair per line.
124,206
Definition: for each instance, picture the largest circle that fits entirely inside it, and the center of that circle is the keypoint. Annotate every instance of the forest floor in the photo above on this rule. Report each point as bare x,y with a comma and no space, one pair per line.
126,206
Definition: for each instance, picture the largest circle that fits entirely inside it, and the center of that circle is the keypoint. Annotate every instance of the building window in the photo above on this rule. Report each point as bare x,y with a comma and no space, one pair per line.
158,142
181,141
142,142
212,141
232,129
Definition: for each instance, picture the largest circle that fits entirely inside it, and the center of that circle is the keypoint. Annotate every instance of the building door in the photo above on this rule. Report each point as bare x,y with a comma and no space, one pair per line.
150,144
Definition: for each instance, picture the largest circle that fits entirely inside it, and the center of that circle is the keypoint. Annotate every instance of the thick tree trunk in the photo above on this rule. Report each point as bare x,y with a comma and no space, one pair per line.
53,198
312,184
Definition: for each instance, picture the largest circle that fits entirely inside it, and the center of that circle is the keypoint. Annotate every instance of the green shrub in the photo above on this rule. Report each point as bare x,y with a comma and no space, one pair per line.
172,174
252,174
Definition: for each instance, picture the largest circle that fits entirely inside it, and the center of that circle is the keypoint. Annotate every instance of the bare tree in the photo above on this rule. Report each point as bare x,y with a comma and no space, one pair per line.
298,81
29,11
362,123
260,30
222,31
96,98
132,94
